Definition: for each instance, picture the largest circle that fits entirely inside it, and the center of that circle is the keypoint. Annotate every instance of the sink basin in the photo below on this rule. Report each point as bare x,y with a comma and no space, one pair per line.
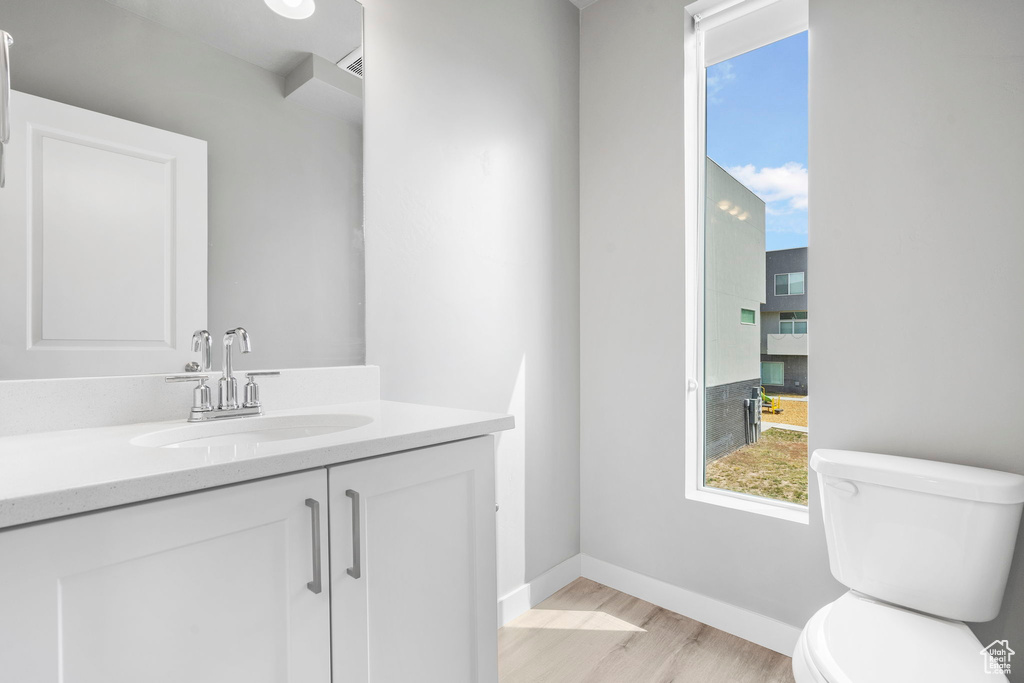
249,430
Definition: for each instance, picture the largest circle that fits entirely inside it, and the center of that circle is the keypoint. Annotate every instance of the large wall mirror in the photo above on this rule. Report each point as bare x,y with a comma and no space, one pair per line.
176,165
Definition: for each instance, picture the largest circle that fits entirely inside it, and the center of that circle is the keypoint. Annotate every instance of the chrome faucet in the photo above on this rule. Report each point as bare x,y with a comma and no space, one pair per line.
228,383
202,343
228,405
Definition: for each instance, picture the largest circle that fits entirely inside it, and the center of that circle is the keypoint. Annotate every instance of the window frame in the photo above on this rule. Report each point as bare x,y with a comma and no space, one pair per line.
751,310
793,321
773,362
789,283
695,151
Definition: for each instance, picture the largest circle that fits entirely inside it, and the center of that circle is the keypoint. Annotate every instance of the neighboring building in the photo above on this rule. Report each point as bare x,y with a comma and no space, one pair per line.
734,275
784,322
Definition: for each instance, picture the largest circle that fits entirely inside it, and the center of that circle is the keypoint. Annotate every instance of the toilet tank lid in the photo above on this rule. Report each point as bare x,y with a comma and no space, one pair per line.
926,476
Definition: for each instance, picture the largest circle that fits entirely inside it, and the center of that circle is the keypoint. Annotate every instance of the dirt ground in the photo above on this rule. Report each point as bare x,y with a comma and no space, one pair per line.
774,467
793,413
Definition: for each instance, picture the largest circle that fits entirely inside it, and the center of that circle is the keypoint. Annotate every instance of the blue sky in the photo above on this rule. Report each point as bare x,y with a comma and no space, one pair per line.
757,130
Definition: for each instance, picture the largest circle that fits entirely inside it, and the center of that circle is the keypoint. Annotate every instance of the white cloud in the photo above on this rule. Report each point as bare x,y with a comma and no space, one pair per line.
717,76
786,183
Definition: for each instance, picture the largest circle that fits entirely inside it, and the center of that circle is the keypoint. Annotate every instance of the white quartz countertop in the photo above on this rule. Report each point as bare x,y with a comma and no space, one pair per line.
53,474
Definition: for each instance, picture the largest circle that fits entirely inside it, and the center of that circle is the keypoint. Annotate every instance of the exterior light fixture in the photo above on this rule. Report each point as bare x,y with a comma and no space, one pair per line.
292,9
734,210
724,205
743,216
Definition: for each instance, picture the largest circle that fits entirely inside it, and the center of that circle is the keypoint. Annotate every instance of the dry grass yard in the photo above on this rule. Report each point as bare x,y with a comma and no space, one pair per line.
774,467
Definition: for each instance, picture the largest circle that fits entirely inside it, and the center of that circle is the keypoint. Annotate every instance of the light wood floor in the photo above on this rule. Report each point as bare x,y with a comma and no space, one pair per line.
589,633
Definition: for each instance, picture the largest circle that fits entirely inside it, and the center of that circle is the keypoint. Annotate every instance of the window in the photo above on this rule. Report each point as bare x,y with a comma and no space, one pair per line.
773,374
746,169
789,284
793,323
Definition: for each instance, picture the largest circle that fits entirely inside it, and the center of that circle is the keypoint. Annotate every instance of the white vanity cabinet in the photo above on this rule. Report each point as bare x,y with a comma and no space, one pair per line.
206,588
237,583
413,594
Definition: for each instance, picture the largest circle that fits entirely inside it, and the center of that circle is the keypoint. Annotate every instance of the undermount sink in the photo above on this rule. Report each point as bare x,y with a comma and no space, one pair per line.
250,430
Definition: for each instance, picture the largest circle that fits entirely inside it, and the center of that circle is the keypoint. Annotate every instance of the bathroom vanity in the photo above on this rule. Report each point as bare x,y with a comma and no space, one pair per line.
347,542
197,166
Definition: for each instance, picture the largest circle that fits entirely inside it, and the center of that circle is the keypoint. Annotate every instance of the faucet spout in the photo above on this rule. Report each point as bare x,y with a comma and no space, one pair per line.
228,385
203,343
244,346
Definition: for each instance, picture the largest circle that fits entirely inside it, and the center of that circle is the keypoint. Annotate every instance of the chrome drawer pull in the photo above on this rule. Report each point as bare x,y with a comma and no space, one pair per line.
316,585
356,570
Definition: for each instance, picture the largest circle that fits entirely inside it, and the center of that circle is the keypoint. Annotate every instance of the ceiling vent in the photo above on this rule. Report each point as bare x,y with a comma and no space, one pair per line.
353,62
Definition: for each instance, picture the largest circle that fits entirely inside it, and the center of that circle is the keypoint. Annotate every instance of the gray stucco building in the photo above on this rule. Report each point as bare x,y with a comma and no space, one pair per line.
734,292
784,323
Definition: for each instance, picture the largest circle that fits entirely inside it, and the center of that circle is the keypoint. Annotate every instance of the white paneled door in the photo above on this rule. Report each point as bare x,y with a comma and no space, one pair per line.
413,585
104,229
204,588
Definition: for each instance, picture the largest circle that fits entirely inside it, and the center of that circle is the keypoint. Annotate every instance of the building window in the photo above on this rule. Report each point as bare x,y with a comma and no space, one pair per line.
789,284
793,323
747,316
773,374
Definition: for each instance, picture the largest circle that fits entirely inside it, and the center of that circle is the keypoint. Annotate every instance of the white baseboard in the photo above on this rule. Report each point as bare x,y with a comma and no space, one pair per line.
537,591
757,628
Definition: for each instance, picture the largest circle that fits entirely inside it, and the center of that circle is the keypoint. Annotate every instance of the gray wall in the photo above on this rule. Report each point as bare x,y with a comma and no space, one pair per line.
285,202
915,149
769,324
785,261
725,417
472,229
912,127
633,341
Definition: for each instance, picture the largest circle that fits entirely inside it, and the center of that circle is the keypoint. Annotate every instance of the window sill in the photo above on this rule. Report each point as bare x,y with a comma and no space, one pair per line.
759,506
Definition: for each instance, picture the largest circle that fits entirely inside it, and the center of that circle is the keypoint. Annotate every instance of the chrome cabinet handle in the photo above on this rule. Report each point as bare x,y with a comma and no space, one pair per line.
316,585
356,570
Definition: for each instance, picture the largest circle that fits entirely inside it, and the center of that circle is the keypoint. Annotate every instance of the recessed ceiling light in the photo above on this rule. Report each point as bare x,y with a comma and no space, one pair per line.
293,9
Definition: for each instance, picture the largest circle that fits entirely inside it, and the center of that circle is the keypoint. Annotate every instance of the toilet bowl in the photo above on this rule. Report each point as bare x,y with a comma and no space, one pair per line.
924,546
858,639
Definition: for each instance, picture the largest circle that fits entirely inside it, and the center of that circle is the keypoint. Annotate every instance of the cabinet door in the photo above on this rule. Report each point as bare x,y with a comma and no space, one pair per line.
205,588
413,590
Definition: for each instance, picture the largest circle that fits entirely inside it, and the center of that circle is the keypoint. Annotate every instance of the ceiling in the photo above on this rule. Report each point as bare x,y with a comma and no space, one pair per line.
583,4
249,30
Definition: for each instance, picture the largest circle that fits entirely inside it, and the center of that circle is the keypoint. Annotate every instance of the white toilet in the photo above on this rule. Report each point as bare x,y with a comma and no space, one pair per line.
923,546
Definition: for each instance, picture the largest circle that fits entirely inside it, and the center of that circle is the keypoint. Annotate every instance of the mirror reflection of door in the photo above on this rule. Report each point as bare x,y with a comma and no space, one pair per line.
104,228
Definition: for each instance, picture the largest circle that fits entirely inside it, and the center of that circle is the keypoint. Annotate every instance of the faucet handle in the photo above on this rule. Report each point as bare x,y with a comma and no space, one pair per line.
252,390
202,400
190,377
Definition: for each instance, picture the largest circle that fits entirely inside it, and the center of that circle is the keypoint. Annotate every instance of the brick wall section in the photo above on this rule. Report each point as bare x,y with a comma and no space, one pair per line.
724,417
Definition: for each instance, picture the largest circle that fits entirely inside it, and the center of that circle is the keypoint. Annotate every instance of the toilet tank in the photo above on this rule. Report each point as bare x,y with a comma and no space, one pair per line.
930,536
